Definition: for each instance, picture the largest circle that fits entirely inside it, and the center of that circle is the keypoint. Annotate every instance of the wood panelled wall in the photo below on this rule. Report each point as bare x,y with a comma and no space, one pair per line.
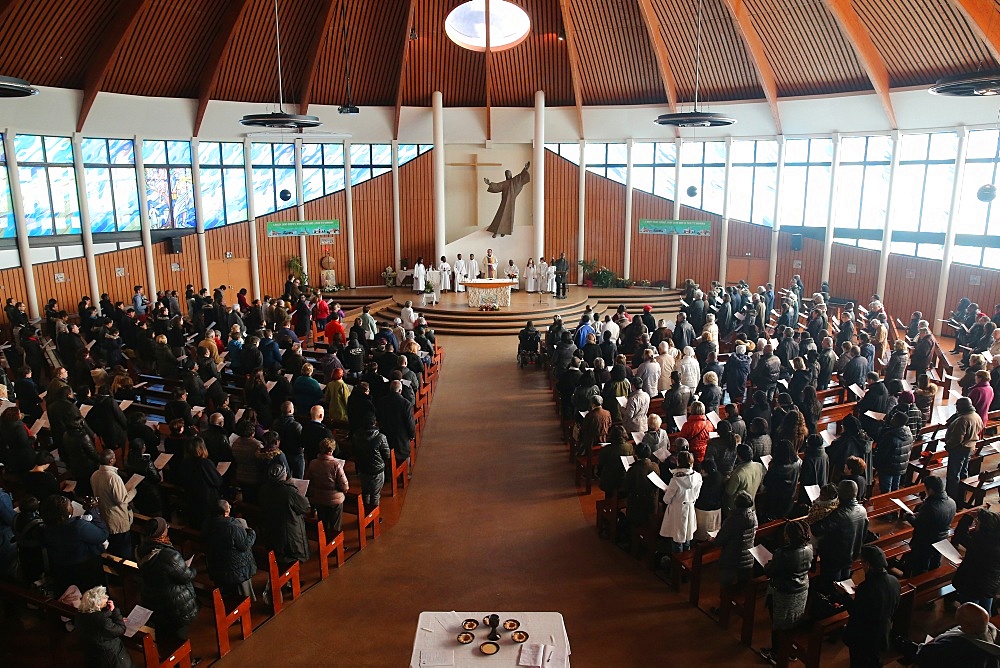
416,210
911,285
603,233
650,252
373,229
698,257
562,207
986,294
858,285
11,285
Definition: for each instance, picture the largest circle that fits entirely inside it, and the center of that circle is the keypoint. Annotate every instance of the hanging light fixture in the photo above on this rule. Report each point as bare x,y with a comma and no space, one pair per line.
466,25
279,119
980,84
695,118
11,87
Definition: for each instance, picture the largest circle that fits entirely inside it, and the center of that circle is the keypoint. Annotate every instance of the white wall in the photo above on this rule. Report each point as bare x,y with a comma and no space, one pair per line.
55,111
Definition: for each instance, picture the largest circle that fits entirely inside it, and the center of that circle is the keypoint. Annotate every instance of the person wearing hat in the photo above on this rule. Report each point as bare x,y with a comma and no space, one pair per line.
931,523
875,601
282,508
892,452
166,586
841,535
964,429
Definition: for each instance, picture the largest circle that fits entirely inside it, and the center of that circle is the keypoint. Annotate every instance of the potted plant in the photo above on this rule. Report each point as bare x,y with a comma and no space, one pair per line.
295,268
588,267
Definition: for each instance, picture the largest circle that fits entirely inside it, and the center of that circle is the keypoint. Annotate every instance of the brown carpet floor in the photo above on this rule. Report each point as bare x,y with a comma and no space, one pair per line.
492,521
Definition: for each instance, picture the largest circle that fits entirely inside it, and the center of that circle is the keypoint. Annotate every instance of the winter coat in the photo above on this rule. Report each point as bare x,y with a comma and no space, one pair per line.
746,477
765,375
642,494
760,445
114,499
107,419
963,431
931,522
735,374
165,584
871,612
690,371
371,451
696,430
780,482
228,551
736,537
102,633
892,451
789,569
306,393
978,576
711,396
281,521
841,534
327,481
896,367
679,520
395,419
815,466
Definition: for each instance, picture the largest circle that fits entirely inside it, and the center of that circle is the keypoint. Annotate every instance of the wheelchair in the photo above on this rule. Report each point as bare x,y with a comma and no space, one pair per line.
529,350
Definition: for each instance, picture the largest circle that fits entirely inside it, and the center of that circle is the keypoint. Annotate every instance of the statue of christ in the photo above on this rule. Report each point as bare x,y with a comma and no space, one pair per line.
503,221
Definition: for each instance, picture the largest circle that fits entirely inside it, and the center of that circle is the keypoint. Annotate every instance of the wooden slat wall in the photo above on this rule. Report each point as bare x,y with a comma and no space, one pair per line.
562,209
812,262
603,229
230,238
698,257
68,293
853,286
11,285
331,207
372,230
119,288
416,211
190,272
273,254
650,252
749,238
904,295
986,294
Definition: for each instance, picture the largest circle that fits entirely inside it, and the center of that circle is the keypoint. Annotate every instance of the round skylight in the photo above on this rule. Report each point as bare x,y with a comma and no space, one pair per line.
466,25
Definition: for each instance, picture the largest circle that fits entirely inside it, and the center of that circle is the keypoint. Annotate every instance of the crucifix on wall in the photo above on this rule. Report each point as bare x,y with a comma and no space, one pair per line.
475,164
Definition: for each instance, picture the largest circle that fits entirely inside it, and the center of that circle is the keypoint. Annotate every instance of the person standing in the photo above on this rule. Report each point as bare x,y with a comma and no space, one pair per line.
281,517
531,276
931,523
550,277
371,451
473,267
964,429
841,535
871,611
166,586
562,273
113,499
461,274
327,484
490,261
788,585
680,520
395,419
229,552
445,270
101,628
419,274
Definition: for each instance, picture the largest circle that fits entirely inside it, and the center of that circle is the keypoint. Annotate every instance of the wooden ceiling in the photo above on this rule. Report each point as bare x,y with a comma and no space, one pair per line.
580,52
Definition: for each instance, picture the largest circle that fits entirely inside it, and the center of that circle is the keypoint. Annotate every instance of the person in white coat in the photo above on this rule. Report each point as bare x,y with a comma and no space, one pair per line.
689,369
679,519
445,270
543,268
531,276
550,278
473,267
408,316
419,273
461,273
636,407
513,273
667,359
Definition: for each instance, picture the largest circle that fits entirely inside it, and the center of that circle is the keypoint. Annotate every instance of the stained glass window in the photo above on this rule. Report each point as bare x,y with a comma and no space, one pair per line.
48,184
8,228
169,185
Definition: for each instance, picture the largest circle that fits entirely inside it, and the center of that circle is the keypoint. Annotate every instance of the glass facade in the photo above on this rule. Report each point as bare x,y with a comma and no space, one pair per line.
169,184
8,229
223,183
48,185
112,191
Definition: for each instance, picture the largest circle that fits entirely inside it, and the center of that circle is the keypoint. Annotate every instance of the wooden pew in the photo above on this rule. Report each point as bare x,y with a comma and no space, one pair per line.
279,578
224,619
355,506
326,548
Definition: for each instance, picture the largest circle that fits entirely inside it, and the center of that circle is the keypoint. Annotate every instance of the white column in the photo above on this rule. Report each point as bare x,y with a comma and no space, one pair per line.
300,210
675,244
199,208
21,226
831,209
538,178
724,228
251,220
949,239
772,262
581,218
627,270
349,214
85,224
890,212
147,241
440,230
397,253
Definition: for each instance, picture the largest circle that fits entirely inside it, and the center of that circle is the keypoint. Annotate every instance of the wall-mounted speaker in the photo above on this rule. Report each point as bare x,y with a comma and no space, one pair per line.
796,242
176,245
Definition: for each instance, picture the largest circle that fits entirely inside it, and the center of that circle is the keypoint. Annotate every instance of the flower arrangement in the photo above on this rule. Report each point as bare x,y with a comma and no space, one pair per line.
489,307
337,288
389,276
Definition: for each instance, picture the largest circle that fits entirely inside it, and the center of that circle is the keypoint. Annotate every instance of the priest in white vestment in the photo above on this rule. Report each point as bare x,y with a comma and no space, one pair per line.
461,273
419,273
531,276
491,263
543,268
473,267
513,274
445,270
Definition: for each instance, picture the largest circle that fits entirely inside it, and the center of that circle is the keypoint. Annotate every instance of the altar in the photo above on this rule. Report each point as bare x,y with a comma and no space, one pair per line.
491,291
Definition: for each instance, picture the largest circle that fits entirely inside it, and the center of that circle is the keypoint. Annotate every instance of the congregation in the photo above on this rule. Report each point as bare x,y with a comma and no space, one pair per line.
778,436
136,436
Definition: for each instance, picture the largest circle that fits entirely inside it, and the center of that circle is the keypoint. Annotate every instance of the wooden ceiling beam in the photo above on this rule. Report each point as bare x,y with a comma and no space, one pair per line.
408,30
112,39
984,19
312,56
210,73
574,60
655,33
758,56
873,62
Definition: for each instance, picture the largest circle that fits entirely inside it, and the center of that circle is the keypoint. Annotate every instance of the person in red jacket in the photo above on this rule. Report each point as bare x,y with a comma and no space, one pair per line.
320,312
697,430
335,334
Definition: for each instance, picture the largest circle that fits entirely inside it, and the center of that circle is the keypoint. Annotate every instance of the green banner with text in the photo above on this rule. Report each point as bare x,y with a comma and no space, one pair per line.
690,228
297,228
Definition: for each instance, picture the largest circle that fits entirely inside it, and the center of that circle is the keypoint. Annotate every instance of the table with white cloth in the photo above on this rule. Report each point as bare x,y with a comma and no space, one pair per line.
491,291
436,642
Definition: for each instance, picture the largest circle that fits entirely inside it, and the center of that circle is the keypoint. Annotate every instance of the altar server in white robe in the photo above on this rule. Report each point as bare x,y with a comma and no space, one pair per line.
419,273
408,316
513,273
473,267
531,276
445,270
543,268
550,278
461,273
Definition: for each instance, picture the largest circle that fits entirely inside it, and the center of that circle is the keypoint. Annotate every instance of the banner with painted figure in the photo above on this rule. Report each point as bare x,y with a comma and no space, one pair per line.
688,228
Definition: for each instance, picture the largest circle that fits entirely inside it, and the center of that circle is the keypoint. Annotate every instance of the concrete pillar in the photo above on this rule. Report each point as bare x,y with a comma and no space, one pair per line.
772,264
199,207
949,238
581,219
440,229
23,247
831,210
300,211
251,221
397,253
85,224
538,175
675,243
627,270
349,214
147,241
890,210
724,228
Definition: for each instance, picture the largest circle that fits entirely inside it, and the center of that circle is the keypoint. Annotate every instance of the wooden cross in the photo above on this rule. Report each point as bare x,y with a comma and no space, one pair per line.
475,164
